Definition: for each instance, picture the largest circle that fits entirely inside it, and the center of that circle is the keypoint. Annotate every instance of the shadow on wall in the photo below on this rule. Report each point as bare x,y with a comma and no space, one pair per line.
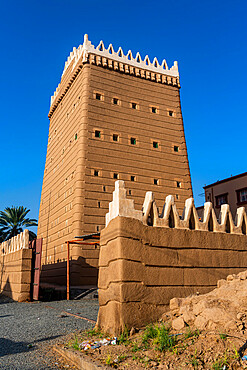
6,290
81,274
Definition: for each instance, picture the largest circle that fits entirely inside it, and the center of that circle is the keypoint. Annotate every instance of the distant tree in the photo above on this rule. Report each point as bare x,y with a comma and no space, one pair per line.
13,221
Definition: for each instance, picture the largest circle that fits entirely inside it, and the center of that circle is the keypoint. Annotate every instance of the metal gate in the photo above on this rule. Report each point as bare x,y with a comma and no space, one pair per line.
36,246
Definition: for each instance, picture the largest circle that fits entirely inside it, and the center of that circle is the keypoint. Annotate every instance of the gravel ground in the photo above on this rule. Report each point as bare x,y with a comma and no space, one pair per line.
28,331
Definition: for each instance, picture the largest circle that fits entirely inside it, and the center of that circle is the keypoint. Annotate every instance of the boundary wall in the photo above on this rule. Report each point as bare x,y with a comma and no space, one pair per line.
15,267
146,258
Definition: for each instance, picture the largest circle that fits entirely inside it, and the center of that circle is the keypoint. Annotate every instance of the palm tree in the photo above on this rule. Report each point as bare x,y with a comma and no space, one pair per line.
13,220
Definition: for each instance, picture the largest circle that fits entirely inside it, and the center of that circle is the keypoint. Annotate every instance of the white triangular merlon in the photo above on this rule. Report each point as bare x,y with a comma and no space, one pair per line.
147,60
110,49
21,241
121,206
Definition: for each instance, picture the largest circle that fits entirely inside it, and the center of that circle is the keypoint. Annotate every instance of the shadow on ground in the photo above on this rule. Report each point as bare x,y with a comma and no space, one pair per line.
9,347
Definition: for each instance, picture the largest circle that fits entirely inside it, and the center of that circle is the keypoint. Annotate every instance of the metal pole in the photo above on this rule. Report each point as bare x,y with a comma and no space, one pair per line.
68,271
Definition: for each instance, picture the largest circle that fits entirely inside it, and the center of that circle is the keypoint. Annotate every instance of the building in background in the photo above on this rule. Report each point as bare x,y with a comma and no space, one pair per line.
113,116
232,191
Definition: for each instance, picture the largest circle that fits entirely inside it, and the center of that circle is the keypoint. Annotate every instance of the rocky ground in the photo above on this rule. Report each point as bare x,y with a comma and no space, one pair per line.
29,330
199,332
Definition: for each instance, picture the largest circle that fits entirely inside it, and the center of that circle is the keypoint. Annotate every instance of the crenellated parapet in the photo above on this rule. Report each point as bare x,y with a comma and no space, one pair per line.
18,242
117,61
169,217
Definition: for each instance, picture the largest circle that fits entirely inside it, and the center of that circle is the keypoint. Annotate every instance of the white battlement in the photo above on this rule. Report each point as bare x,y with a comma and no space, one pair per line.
87,48
121,206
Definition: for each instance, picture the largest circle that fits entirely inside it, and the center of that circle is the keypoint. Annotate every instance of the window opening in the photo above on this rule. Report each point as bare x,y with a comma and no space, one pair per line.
97,228
115,175
115,101
75,136
133,141
178,184
171,113
129,191
134,105
132,178
98,204
97,133
104,188
176,148
155,144
221,199
156,181
98,96
115,137
154,110
96,173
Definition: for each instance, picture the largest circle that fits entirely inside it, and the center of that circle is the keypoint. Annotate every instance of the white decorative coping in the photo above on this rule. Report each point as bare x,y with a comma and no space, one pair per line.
21,241
121,206
87,48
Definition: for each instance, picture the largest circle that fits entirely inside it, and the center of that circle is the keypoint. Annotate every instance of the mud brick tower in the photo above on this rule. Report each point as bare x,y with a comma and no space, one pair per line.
113,116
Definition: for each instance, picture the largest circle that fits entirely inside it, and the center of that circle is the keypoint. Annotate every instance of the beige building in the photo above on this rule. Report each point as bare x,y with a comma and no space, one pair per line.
232,191
113,116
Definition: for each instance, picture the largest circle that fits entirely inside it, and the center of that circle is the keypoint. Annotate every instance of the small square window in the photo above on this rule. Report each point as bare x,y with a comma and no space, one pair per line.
115,137
104,188
115,101
154,110
96,173
132,178
133,141
155,144
156,182
171,113
178,184
177,196
133,105
97,133
129,192
115,176
98,96
176,148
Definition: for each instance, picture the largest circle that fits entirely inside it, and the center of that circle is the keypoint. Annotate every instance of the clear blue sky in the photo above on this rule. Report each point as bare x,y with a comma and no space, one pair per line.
208,38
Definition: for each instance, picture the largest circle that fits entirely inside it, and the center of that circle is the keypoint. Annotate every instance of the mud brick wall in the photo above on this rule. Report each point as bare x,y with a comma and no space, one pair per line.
15,267
15,274
142,267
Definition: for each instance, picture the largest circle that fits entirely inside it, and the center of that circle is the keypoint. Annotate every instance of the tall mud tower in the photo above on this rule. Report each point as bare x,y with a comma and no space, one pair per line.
112,117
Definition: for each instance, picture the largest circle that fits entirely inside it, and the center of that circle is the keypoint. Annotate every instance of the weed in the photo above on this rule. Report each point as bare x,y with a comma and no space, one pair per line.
135,347
191,333
121,358
94,332
221,364
236,353
159,336
135,357
223,336
75,344
108,360
124,337
194,361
